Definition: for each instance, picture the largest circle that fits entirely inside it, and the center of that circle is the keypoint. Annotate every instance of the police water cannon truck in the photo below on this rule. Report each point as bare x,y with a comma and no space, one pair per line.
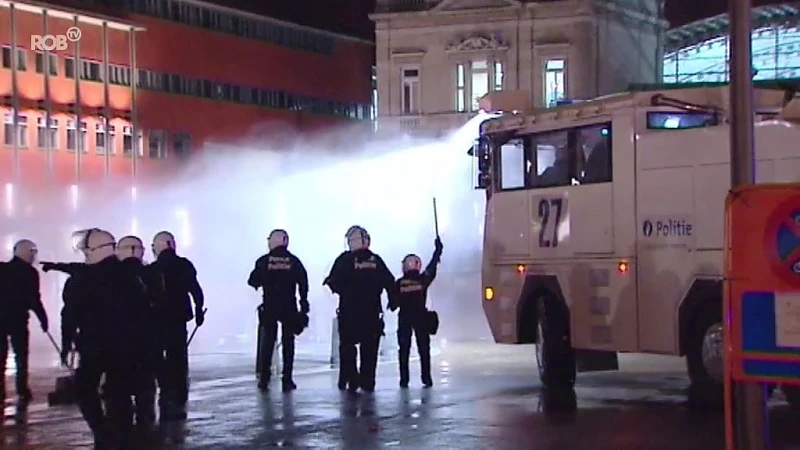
605,219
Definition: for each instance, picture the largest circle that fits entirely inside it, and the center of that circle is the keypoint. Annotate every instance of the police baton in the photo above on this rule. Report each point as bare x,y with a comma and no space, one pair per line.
68,364
195,329
435,218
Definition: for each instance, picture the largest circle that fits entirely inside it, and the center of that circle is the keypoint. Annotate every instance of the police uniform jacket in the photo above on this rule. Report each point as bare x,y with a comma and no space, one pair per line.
19,294
105,310
180,280
281,276
412,290
359,277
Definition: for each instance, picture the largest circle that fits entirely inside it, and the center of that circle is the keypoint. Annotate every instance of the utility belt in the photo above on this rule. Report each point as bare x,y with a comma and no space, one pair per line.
351,322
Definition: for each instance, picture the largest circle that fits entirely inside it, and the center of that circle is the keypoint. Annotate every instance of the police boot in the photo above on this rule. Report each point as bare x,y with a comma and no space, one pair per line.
179,413
288,385
263,383
404,356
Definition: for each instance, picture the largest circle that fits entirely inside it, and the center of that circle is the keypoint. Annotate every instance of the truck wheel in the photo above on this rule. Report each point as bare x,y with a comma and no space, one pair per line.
704,357
792,394
555,358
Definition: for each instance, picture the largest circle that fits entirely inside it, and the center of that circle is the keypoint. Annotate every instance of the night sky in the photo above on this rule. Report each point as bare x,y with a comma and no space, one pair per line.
350,16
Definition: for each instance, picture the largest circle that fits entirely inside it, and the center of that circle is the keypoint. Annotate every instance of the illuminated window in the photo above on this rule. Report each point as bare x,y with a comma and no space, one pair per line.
479,82
554,81
461,88
474,80
47,137
497,80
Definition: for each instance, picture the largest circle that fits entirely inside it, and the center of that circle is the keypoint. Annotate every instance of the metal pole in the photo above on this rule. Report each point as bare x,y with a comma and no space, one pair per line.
750,407
80,145
15,92
134,116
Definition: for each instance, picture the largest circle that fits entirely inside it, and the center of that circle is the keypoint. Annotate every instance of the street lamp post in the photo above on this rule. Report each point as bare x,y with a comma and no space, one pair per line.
750,407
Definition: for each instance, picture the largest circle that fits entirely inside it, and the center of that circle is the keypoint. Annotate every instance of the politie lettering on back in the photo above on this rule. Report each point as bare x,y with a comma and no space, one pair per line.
667,228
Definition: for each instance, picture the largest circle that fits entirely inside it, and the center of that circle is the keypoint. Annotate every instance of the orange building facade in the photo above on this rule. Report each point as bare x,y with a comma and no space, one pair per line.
179,74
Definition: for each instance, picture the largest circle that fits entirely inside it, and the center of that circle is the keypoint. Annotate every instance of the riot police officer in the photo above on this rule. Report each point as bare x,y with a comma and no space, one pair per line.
358,277
130,250
19,294
105,319
280,274
180,281
411,298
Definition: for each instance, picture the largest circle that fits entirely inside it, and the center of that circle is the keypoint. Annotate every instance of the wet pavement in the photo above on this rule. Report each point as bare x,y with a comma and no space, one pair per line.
486,397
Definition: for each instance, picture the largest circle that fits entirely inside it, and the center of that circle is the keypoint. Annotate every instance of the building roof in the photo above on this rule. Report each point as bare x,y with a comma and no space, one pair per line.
713,27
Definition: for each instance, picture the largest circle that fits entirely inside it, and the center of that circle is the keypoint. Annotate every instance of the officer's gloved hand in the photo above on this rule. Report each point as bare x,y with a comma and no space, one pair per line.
199,316
47,266
65,356
304,307
438,244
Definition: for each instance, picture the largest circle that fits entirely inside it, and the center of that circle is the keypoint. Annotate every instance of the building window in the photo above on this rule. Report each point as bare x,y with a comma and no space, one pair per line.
104,140
21,134
76,140
90,71
47,137
554,81
127,142
52,63
157,144
461,88
498,76
69,67
410,94
479,81
182,145
119,75
474,80
21,63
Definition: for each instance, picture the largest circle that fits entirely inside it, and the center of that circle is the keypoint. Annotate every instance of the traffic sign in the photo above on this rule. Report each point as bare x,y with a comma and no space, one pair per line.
762,283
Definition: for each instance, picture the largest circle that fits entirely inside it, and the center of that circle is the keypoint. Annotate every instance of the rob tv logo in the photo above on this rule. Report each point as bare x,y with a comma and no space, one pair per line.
50,42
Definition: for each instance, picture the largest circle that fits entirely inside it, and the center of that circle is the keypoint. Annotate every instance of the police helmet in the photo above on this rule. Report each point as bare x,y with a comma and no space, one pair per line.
412,262
278,238
130,247
357,238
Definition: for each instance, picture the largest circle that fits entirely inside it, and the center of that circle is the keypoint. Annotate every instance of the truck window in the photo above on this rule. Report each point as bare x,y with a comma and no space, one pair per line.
662,120
512,165
571,157
595,144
